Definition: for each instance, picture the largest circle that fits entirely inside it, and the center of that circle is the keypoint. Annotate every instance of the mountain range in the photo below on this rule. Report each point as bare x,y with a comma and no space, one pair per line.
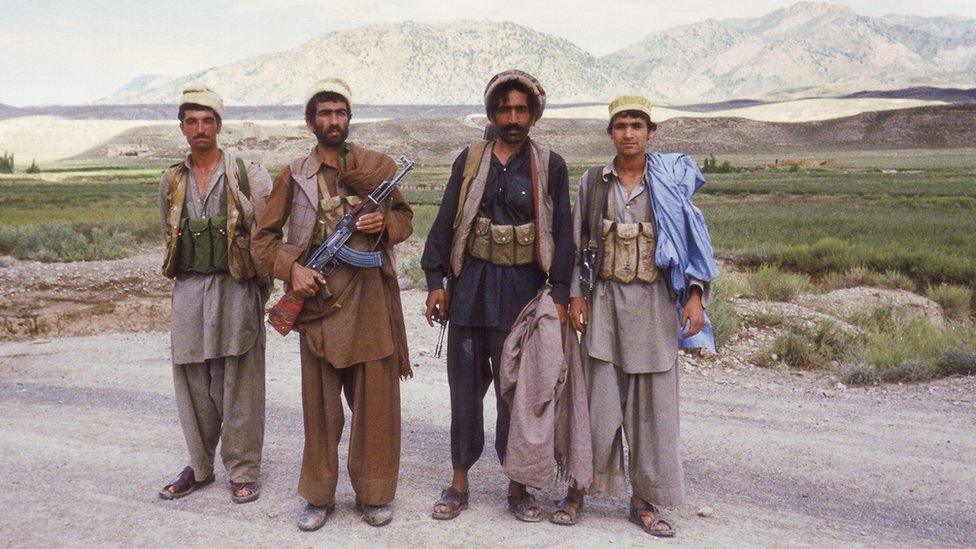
803,50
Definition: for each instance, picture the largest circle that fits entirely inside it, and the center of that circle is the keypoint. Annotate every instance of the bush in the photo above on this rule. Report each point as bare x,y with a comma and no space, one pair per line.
955,300
106,245
816,350
725,320
862,276
52,241
8,239
956,361
33,168
770,284
858,373
7,163
797,351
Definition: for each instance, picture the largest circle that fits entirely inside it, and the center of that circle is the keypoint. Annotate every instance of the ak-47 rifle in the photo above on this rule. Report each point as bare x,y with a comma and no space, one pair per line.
333,249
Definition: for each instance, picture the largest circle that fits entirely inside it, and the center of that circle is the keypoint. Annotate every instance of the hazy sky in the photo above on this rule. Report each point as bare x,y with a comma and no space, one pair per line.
66,52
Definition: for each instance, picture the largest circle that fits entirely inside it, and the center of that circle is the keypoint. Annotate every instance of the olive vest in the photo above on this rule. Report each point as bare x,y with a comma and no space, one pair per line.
237,254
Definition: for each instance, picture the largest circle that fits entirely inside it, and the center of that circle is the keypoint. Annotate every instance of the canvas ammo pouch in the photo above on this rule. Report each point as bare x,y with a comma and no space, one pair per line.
628,252
203,245
504,245
330,212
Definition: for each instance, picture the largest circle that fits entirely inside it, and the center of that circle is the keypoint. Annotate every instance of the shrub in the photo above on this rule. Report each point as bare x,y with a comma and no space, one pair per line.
33,168
814,350
106,245
797,351
769,317
955,300
8,239
956,361
858,373
770,284
862,276
52,241
725,320
7,163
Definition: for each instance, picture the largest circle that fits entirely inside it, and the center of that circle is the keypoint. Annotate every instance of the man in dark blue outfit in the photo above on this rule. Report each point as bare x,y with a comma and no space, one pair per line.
504,229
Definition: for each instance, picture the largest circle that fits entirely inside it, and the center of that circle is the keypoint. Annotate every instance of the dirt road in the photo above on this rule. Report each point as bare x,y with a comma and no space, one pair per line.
89,433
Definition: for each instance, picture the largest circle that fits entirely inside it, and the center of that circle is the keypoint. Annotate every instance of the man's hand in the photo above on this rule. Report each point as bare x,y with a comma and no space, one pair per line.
436,306
579,313
561,311
693,314
370,223
304,281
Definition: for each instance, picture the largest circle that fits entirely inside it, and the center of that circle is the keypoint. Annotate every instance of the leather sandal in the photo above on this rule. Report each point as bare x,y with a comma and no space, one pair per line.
658,519
454,500
252,492
521,505
563,510
184,484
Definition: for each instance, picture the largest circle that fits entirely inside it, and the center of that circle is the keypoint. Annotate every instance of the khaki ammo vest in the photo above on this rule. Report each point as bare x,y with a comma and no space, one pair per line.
475,176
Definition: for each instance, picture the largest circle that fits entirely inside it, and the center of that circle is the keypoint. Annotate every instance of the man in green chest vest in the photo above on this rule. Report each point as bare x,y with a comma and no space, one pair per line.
208,204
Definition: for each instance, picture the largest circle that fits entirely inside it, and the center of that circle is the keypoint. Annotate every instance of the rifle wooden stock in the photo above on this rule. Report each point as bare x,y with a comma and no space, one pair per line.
283,316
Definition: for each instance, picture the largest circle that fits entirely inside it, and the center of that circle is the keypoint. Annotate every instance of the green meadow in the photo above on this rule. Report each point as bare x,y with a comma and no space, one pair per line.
916,219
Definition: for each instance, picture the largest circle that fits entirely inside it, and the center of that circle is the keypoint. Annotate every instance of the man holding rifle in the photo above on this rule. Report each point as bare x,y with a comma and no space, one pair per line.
351,323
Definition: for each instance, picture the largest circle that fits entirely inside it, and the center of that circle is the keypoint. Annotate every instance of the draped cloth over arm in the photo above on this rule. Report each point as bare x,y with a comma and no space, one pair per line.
542,382
684,247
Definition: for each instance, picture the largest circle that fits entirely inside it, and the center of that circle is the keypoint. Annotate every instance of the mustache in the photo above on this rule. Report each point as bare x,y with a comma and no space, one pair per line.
512,127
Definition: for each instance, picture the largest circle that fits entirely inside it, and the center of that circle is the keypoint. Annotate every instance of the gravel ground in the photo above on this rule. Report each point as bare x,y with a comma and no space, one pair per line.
89,433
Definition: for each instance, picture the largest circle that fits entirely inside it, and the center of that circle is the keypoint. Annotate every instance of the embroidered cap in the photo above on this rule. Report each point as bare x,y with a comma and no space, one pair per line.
198,94
629,103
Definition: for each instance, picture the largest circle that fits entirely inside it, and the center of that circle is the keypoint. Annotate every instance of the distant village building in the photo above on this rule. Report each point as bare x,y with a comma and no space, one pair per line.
127,149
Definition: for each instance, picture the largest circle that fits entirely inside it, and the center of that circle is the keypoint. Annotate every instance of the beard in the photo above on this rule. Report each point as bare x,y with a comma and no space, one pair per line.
327,138
513,133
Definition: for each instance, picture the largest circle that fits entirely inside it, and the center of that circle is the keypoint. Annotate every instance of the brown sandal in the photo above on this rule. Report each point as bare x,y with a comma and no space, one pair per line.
455,501
252,492
184,484
521,505
651,528
563,509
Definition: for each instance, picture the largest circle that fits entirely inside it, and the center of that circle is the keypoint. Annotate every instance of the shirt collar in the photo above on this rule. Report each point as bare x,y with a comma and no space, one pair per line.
315,161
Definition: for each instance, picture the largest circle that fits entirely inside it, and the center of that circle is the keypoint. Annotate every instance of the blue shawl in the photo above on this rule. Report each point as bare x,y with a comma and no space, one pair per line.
684,248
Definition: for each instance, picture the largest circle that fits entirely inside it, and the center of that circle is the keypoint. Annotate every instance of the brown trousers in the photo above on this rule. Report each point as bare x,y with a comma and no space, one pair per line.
222,400
372,391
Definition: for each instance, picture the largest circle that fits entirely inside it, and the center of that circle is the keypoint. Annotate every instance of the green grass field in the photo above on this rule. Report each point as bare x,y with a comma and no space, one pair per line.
919,222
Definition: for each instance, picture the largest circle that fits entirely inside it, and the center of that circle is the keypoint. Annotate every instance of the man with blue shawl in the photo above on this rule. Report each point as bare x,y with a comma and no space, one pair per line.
646,264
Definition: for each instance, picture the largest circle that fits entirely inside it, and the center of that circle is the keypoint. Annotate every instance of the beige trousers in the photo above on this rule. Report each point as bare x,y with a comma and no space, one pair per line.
223,400
644,408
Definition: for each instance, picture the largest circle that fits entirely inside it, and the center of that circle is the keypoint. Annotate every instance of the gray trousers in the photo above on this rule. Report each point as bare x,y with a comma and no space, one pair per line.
223,399
644,407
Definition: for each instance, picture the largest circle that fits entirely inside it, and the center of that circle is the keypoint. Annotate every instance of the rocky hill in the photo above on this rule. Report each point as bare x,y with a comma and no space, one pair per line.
806,49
